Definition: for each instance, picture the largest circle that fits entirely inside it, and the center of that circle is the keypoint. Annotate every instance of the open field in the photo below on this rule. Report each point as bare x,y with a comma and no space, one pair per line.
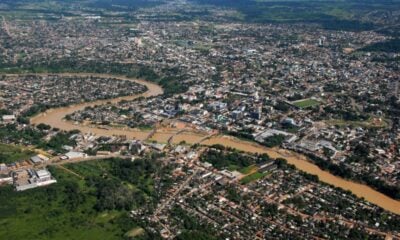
306,103
370,123
249,169
252,177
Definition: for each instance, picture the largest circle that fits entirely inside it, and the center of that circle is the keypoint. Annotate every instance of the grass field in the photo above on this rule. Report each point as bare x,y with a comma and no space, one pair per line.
252,177
249,169
66,210
12,153
306,103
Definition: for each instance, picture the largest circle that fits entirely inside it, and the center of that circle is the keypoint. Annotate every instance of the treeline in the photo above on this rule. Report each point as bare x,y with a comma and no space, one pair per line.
346,115
347,25
391,46
35,109
274,141
113,193
59,140
331,15
122,5
343,171
26,136
225,159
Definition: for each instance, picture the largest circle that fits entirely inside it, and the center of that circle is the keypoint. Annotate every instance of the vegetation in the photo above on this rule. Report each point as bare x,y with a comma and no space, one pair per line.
25,136
347,115
195,235
252,177
233,194
171,80
54,7
232,160
91,208
59,140
63,210
306,103
273,141
192,228
349,15
369,123
12,153
391,46
343,171
269,210
4,112
249,169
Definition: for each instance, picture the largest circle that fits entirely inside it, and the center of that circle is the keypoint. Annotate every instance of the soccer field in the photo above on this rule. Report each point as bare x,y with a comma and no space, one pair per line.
306,103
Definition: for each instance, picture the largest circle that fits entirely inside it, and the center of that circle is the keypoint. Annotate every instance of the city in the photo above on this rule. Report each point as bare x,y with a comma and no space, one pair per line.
178,120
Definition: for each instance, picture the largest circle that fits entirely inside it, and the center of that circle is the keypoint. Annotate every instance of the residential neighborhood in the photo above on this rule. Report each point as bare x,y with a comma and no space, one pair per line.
198,119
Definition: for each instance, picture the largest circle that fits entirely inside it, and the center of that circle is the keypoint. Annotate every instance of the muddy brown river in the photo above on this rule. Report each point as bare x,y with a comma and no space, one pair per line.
55,118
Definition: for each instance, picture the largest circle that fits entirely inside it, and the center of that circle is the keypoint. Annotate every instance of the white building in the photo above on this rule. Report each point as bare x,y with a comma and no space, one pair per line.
28,179
8,118
74,155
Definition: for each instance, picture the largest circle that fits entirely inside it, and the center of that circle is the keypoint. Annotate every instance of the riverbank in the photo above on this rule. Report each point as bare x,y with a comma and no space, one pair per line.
55,118
303,164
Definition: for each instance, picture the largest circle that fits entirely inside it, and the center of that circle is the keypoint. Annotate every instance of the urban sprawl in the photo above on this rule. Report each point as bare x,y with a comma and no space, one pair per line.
291,89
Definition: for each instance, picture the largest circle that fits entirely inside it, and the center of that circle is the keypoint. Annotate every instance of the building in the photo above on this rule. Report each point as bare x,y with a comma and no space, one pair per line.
9,118
30,178
3,167
75,155
39,159
36,160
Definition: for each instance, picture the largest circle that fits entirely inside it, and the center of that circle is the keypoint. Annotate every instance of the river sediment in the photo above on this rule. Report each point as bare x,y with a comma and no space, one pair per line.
55,118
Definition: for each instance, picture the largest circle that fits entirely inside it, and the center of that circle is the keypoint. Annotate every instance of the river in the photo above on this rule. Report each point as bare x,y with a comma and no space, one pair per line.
55,118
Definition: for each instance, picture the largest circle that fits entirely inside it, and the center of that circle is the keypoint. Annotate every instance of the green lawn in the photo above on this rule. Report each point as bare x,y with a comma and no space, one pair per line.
252,177
12,153
247,170
306,103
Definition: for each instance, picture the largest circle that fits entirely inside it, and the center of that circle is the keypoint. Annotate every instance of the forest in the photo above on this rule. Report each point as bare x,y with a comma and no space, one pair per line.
95,206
